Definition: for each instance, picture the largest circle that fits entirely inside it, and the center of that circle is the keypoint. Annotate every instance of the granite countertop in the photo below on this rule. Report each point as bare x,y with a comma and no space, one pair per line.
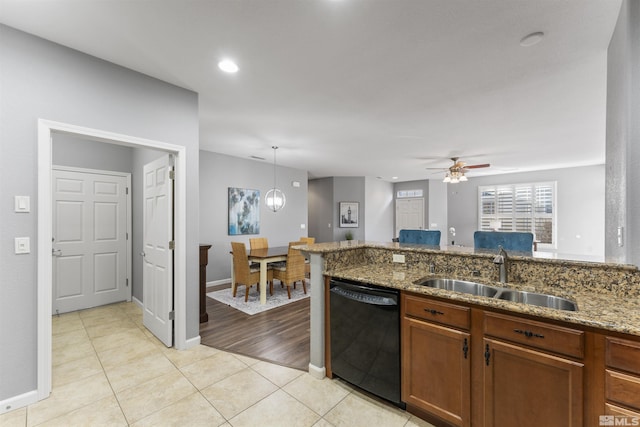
546,257
596,310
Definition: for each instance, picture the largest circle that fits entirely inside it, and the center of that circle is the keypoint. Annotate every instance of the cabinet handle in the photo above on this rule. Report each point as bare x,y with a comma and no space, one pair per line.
433,311
528,334
465,348
487,354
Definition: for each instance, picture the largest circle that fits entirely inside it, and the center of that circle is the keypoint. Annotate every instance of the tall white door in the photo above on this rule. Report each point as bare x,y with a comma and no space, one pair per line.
409,214
90,250
157,273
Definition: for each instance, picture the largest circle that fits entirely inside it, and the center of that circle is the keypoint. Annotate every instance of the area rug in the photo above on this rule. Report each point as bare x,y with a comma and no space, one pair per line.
253,306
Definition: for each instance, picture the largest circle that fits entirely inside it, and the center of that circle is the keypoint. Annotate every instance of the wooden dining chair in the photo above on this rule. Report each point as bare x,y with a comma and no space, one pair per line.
258,243
243,274
307,264
293,271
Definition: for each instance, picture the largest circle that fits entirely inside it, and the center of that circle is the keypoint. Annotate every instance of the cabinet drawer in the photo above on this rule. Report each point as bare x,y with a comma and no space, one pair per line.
610,409
623,389
544,336
623,354
437,311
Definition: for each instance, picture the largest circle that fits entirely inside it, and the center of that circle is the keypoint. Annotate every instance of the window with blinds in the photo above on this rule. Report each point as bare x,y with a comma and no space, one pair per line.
519,207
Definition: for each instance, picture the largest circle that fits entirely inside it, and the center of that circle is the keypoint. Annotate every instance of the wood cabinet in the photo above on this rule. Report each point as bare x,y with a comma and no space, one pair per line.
527,372
436,359
204,260
524,384
622,377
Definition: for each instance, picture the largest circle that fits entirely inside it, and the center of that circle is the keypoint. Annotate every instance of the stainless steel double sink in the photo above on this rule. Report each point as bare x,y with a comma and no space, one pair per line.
532,298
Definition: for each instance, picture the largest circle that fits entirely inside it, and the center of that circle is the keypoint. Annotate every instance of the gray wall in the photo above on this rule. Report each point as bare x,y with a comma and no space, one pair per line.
623,136
40,79
380,210
580,206
438,208
219,172
349,189
325,195
81,153
321,209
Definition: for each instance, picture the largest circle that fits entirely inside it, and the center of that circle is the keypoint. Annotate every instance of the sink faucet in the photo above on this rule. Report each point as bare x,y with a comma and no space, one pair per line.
501,261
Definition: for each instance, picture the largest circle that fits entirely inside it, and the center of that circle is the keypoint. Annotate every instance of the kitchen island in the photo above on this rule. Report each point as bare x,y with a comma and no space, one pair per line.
607,296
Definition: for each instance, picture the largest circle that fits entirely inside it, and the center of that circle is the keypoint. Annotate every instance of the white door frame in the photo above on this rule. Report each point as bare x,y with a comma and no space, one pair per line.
44,231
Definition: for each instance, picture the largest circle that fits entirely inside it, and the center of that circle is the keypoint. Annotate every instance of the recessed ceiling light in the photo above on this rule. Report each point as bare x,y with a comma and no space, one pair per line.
531,39
228,66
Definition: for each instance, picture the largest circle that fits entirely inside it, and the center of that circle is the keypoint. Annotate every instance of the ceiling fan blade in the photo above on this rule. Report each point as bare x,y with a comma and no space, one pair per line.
485,165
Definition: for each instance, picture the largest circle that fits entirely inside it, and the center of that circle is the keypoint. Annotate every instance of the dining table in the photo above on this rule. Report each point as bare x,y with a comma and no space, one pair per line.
264,256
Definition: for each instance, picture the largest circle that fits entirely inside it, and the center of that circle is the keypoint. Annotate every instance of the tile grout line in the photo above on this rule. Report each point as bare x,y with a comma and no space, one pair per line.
115,396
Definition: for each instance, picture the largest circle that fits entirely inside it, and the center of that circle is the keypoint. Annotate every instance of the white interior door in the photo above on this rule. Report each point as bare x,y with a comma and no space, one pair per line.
409,214
157,273
90,250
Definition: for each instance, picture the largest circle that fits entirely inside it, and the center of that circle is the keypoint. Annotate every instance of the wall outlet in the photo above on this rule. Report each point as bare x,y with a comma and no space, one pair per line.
398,258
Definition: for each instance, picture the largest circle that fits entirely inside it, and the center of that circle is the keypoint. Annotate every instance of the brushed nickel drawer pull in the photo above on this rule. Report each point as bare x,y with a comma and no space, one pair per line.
528,334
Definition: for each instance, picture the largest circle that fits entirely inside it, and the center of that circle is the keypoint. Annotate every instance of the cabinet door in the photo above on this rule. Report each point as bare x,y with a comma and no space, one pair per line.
436,370
527,388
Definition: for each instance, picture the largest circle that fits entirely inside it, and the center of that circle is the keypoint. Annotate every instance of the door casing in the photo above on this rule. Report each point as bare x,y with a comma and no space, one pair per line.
44,230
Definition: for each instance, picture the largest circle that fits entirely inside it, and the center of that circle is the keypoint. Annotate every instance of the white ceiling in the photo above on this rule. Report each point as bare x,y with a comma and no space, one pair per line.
376,88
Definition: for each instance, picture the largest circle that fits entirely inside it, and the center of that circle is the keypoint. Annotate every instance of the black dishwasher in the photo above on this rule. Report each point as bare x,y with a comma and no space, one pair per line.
365,337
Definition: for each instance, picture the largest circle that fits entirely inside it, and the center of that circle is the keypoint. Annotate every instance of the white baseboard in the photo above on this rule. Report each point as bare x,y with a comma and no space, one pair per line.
137,302
318,373
192,342
219,282
19,401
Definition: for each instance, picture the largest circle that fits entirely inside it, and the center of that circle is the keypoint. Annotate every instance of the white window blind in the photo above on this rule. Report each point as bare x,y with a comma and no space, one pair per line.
519,207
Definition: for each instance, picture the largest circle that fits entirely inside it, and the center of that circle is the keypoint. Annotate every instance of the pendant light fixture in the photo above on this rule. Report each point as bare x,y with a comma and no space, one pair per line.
275,198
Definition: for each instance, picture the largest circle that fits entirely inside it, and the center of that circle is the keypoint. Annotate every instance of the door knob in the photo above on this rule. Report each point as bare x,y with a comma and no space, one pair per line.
142,254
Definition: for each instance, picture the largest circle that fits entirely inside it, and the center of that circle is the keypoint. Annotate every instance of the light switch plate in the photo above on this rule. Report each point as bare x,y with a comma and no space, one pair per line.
22,245
22,204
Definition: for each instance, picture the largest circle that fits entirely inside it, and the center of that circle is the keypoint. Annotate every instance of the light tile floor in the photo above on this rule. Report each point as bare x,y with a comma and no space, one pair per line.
109,370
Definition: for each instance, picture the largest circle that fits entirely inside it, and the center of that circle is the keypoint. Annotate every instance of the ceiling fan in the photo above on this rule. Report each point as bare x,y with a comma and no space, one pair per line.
456,171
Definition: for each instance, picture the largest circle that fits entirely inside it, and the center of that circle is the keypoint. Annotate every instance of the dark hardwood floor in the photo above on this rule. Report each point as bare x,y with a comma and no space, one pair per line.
279,335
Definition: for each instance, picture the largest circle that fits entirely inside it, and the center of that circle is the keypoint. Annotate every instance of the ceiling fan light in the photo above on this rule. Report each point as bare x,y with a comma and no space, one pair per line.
463,178
447,178
454,180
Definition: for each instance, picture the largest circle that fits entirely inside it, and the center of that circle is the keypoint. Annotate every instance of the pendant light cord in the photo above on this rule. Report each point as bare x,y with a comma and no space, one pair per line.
275,148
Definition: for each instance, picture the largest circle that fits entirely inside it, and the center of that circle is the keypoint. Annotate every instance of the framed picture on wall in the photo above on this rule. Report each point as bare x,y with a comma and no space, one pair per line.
244,211
349,214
